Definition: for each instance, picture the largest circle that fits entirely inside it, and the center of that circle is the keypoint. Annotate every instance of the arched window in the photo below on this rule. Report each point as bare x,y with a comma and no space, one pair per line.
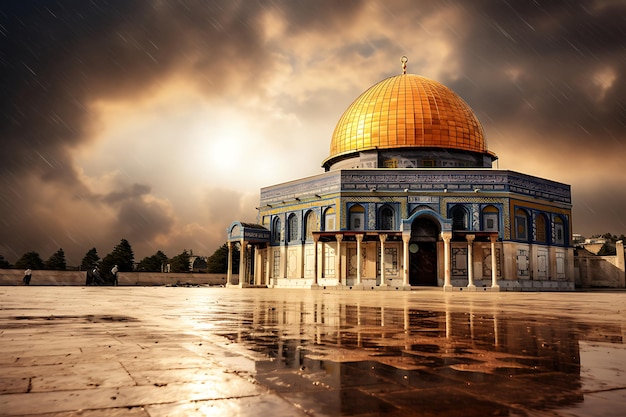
541,225
386,218
310,225
276,230
357,217
329,219
521,224
293,227
459,218
559,231
490,219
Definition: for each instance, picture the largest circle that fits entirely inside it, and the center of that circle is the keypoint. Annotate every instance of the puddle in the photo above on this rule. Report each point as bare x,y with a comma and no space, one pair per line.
347,359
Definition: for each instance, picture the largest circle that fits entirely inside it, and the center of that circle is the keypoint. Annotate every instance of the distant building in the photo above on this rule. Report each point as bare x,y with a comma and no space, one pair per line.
408,197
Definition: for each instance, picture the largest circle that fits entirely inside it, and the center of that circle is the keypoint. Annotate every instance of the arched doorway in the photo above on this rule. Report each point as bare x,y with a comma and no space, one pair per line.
423,252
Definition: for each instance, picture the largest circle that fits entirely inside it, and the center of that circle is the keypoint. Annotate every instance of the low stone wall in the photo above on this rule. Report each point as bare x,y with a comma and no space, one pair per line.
600,272
14,277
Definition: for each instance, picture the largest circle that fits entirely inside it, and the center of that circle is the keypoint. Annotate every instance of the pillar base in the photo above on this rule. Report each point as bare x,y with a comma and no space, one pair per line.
471,287
495,288
448,287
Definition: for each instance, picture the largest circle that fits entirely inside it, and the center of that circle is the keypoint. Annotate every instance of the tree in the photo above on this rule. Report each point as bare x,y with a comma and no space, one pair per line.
56,261
153,263
180,262
90,260
609,237
122,256
4,264
218,262
30,260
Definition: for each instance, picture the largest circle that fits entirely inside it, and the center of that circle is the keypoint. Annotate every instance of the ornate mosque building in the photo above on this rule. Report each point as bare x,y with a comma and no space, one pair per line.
409,198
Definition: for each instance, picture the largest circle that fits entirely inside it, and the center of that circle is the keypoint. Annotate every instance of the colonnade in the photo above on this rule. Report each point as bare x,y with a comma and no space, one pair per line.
249,250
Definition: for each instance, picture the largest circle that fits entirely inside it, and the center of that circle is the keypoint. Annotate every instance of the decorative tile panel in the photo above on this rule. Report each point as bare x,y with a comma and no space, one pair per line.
459,261
522,263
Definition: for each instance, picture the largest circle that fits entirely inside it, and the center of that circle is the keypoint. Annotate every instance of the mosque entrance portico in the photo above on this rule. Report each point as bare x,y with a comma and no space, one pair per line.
251,239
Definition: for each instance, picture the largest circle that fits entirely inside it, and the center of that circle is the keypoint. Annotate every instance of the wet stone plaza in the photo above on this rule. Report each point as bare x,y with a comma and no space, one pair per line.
178,351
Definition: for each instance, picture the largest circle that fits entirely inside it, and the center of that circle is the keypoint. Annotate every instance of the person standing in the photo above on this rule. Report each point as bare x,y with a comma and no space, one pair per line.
28,274
114,272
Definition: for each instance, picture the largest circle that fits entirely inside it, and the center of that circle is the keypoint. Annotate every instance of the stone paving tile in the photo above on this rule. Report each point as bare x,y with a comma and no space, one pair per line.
123,396
11,385
97,379
261,405
104,412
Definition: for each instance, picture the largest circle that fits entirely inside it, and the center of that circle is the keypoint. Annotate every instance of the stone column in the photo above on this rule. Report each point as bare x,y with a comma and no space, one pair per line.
447,237
316,273
283,261
302,258
359,239
322,261
405,257
338,260
229,269
470,262
256,279
243,254
494,264
383,238
268,252
620,262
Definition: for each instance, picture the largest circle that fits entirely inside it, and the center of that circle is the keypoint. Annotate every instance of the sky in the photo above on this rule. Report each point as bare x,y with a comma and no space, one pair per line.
159,121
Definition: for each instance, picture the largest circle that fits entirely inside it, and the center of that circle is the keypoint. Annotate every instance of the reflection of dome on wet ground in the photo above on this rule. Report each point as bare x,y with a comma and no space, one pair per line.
409,198
356,358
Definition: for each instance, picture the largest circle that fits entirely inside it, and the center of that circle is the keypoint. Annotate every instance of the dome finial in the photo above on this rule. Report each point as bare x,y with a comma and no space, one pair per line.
404,60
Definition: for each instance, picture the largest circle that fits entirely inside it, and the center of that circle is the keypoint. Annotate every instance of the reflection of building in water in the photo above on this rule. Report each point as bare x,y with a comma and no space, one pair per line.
409,198
344,357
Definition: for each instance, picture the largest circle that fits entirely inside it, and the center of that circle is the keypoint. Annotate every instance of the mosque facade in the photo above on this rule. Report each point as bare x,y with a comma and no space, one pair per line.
409,198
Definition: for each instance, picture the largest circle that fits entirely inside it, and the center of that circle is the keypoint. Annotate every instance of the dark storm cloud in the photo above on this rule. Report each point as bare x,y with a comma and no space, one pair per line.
536,61
56,58
136,190
143,221
315,16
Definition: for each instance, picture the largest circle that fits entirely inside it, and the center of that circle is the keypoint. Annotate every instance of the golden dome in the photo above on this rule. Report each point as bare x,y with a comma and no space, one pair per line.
407,111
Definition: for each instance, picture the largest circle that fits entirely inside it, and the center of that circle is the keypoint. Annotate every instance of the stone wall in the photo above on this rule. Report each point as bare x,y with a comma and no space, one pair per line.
14,277
600,271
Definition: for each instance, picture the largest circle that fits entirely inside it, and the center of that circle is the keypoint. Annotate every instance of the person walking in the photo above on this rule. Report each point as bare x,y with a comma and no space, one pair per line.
114,272
28,274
